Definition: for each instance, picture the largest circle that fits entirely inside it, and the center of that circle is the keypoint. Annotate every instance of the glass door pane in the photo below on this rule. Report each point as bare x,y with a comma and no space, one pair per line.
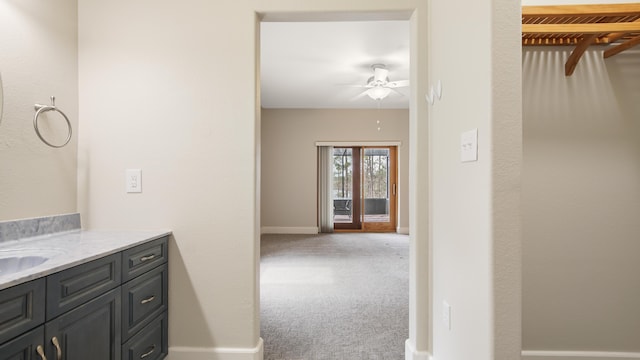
346,188
376,185
379,188
342,185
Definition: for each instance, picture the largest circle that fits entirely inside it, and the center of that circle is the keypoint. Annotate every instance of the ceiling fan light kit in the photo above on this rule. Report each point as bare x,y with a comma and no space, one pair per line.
378,86
378,92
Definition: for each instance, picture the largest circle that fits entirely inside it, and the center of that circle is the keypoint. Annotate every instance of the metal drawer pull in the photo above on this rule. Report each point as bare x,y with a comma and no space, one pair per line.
148,257
153,348
54,341
148,300
40,352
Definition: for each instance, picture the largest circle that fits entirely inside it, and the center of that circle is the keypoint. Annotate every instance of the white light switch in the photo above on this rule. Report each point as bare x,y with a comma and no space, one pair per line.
134,180
446,315
469,146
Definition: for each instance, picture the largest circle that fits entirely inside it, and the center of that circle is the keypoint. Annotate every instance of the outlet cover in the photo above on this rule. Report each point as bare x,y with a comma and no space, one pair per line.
469,146
134,180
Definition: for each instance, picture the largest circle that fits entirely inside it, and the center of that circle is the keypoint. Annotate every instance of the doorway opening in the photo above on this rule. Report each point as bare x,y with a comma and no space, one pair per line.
288,192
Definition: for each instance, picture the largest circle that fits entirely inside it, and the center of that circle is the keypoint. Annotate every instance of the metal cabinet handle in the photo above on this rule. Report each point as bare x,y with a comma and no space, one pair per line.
40,351
54,341
148,300
148,257
153,348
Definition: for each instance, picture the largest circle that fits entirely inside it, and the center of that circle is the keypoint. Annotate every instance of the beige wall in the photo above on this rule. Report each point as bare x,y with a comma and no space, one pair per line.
38,59
149,75
581,194
171,88
475,205
289,158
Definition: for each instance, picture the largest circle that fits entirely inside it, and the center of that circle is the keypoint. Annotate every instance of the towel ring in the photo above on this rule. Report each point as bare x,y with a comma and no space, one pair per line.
40,109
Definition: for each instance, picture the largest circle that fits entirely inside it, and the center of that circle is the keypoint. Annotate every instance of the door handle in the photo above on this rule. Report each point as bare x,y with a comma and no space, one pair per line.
147,258
147,300
153,348
394,189
56,343
40,351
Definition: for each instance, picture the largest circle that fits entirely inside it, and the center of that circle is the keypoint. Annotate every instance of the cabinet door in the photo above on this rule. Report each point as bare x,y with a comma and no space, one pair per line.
91,331
24,347
21,309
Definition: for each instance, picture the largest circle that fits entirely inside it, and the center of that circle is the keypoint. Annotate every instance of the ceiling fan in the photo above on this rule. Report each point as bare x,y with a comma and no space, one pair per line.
378,86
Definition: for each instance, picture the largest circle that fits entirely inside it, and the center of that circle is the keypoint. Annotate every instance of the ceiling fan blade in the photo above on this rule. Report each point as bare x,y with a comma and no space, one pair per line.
380,75
360,86
359,96
394,91
397,84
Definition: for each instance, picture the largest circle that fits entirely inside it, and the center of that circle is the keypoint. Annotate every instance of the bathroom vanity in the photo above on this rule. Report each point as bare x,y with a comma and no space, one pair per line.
79,295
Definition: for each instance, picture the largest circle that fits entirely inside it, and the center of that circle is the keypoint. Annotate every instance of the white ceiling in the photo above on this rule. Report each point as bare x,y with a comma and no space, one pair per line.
314,65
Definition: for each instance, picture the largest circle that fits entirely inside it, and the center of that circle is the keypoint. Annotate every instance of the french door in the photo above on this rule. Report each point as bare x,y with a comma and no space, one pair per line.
365,188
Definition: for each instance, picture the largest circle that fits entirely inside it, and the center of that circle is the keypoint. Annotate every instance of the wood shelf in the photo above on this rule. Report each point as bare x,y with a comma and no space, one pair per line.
615,26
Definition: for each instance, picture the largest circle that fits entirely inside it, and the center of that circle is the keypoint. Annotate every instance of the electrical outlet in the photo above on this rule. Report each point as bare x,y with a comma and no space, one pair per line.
446,315
469,146
134,180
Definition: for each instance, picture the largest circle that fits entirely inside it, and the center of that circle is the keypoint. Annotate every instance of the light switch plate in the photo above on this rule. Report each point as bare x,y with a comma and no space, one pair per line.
134,180
469,146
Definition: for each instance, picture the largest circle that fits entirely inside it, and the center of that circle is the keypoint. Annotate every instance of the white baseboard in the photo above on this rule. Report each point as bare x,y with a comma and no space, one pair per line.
288,230
191,353
577,355
410,352
403,230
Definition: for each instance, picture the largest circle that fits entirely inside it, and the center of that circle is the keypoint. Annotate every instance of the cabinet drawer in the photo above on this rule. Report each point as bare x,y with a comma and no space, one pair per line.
144,298
142,258
72,287
24,347
21,308
148,344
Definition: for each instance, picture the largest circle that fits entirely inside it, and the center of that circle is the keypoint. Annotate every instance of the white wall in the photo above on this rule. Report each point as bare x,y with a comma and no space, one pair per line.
38,59
289,158
475,206
581,197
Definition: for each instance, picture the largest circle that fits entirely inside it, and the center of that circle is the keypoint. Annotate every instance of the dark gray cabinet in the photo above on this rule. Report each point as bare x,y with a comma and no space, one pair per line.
90,331
90,311
21,308
150,343
144,301
24,347
144,298
72,287
142,258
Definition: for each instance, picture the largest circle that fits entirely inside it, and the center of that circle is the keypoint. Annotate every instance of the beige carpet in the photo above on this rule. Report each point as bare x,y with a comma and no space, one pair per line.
334,296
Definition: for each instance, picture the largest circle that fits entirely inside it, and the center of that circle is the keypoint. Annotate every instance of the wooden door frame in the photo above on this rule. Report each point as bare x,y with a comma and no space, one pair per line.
357,225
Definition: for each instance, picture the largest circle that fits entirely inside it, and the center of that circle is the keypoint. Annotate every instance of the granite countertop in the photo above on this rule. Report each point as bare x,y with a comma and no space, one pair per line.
67,249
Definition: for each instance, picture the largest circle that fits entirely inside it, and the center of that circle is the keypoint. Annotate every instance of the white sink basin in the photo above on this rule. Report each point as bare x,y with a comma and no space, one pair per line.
13,261
14,264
